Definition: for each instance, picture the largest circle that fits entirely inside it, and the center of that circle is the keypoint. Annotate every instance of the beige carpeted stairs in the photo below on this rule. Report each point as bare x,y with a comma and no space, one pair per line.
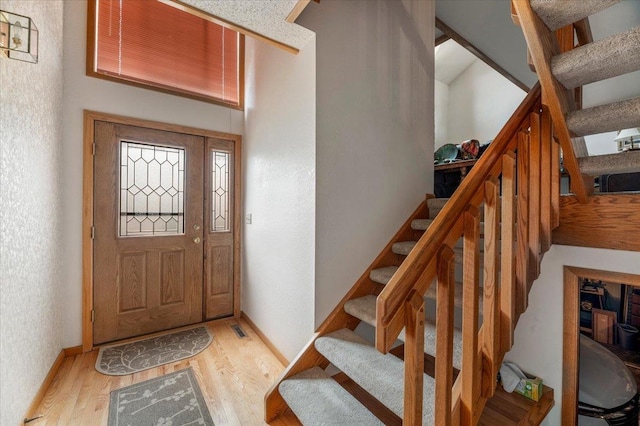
600,60
317,399
313,395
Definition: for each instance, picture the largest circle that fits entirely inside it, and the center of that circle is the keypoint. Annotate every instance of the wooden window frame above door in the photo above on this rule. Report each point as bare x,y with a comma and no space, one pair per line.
90,117
571,331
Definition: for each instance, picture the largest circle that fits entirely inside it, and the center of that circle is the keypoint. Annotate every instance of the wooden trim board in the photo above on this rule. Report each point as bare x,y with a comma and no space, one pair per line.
451,33
90,117
44,387
228,24
297,10
283,359
608,221
571,342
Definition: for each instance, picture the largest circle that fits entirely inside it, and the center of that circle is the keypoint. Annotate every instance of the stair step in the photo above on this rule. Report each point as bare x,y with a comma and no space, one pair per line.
381,375
597,61
605,118
435,205
560,13
382,275
421,224
610,164
403,248
364,308
317,399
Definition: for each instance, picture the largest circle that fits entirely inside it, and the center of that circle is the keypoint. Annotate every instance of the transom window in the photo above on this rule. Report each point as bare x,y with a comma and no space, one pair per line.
148,43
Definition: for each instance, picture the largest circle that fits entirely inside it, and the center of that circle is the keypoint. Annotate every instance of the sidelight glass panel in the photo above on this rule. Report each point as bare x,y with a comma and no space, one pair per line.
151,190
220,191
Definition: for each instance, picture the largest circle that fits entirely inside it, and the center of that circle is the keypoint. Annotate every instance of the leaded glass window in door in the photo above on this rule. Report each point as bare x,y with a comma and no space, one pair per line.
220,191
151,190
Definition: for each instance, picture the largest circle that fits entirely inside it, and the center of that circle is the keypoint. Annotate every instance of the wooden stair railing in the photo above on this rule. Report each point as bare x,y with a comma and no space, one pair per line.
517,232
543,45
309,357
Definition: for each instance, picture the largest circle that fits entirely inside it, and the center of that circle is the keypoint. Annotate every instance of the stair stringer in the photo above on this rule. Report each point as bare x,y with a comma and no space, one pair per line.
309,357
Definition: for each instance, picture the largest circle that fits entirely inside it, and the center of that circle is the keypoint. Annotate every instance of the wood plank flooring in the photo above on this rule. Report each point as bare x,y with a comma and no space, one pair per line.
234,375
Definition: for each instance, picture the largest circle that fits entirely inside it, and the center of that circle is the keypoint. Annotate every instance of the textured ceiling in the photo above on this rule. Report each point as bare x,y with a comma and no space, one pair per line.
265,17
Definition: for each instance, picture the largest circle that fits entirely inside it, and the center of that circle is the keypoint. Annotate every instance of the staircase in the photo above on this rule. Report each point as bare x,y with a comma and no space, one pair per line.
562,68
432,268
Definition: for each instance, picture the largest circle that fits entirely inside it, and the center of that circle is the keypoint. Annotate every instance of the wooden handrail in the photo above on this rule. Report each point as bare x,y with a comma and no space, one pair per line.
514,189
524,222
445,229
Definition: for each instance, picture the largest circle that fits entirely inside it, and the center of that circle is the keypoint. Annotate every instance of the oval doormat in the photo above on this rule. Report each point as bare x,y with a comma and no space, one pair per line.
129,358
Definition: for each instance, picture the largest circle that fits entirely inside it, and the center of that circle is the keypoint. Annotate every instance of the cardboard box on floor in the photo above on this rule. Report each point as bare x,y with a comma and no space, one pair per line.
531,388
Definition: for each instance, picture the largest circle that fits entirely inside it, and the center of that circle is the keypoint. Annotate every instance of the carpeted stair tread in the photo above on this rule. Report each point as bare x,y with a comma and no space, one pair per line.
403,247
421,224
610,57
382,275
317,399
605,118
380,375
435,206
457,297
560,13
364,308
610,164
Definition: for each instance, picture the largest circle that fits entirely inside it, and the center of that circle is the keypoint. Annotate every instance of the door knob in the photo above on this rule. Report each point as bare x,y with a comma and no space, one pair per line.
196,226
196,240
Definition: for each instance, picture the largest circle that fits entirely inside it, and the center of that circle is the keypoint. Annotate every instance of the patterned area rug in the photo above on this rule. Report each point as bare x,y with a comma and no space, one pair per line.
172,399
129,358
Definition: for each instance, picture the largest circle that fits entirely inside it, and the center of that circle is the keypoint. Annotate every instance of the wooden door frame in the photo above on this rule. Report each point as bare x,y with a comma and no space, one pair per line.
90,117
571,331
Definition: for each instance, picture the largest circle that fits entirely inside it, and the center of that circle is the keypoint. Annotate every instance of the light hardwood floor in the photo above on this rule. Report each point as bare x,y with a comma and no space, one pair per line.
234,375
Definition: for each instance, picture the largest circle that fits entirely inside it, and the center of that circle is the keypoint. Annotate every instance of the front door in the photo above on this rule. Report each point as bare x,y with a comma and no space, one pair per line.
149,230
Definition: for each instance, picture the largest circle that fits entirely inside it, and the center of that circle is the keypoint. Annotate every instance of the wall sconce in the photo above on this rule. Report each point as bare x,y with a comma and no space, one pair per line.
18,37
628,139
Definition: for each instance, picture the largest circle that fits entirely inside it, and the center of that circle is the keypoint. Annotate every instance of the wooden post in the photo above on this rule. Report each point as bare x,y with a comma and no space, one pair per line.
491,306
471,277
522,254
555,185
444,332
507,265
413,360
534,198
546,163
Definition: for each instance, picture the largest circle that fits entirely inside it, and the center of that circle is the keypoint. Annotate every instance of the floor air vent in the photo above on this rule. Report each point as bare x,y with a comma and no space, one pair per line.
239,331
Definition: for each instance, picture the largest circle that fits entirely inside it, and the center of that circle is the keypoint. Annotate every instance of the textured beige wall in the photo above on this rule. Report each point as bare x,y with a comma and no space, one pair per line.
279,192
30,212
374,146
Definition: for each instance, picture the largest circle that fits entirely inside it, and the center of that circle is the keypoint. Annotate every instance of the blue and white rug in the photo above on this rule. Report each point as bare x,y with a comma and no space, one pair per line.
170,400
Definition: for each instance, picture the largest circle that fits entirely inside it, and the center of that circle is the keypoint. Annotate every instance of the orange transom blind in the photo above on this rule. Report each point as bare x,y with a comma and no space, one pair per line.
148,42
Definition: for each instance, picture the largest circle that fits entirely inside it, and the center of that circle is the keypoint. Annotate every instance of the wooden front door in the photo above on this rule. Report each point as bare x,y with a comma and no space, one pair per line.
149,230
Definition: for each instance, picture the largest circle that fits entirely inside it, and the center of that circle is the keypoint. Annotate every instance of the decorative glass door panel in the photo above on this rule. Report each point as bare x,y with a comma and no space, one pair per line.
220,191
220,245
148,218
151,190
